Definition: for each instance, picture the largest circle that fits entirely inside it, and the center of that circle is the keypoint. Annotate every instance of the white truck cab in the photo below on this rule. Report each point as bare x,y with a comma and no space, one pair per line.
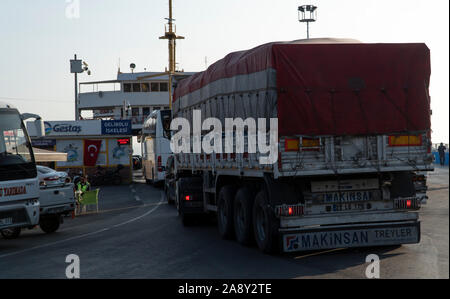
19,187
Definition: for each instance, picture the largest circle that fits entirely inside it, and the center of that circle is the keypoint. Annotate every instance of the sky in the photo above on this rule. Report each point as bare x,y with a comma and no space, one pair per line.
39,37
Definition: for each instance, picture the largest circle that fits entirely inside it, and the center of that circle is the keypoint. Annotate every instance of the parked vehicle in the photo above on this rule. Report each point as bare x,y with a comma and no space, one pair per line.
57,201
353,133
155,144
19,187
104,176
137,162
50,177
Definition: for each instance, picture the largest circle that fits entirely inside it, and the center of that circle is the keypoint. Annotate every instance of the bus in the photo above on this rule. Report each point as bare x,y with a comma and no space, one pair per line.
155,146
19,186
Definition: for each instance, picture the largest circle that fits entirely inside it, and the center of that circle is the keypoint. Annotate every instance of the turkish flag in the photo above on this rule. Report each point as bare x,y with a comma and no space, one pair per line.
91,150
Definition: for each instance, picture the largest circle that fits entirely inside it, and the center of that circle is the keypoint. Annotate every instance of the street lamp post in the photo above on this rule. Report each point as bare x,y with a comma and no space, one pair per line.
78,66
307,14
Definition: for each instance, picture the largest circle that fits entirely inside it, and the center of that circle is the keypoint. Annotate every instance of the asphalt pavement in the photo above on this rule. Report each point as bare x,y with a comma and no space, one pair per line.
138,235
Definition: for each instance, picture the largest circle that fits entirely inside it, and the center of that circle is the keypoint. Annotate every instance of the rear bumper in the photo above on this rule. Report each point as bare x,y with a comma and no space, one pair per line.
294,223
58,209
21,214
192,207
352,235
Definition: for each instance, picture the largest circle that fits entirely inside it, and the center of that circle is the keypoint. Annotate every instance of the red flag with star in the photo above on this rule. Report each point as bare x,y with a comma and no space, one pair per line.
91,151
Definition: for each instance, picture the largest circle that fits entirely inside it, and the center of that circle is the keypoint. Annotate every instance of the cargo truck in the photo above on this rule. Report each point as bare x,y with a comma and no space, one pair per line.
353,139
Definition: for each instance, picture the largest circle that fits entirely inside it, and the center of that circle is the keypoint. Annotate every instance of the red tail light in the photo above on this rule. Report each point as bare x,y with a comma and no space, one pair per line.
289,210
407,203
160,164
187,198
50,179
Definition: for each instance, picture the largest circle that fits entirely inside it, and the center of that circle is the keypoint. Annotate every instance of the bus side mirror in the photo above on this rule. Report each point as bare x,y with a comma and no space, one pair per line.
40,129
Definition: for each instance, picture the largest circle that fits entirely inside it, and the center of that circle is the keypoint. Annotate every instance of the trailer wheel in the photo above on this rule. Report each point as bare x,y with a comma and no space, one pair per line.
225,212
50,224
170,201
265,225
243,212
11,233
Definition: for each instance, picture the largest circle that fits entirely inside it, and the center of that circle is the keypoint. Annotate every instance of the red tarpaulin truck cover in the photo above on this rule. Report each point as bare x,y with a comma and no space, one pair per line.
317,88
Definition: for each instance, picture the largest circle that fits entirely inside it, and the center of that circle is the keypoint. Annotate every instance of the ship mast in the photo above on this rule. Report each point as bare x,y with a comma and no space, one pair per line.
172,37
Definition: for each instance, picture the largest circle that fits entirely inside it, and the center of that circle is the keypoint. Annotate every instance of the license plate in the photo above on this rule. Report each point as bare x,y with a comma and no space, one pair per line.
347,207
376,236
351,196
56,210
194,204
6,221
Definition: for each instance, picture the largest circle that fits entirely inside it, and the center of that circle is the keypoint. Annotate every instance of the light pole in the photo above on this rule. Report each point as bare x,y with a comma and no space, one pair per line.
307,14
77,67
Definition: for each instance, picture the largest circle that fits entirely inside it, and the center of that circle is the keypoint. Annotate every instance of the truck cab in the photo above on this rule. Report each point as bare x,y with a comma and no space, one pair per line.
19,187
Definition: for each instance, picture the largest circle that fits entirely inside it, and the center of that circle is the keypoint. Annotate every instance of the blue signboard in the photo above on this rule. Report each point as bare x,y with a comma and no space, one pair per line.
116,127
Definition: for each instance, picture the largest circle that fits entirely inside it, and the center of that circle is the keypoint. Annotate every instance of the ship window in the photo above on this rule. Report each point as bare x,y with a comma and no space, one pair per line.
155,86
166,108
135,111
126,87
145,111
136,87
145,87
164,87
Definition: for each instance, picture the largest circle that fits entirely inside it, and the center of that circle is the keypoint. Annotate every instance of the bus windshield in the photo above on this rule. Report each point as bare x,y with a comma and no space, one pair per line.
16,155
166,118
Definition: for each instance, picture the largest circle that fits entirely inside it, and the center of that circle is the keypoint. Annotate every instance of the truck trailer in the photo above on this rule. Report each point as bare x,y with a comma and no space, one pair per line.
353,137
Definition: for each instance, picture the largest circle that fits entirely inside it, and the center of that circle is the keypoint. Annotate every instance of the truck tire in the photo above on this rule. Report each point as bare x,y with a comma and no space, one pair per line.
170,201
225,219
11,233
183,185
49,224
243,215
265,225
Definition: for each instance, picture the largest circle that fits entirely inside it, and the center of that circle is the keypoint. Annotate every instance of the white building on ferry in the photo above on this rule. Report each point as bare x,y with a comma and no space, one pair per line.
127,97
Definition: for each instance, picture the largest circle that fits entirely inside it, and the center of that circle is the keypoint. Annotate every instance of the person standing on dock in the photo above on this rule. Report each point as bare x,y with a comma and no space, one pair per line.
441,150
